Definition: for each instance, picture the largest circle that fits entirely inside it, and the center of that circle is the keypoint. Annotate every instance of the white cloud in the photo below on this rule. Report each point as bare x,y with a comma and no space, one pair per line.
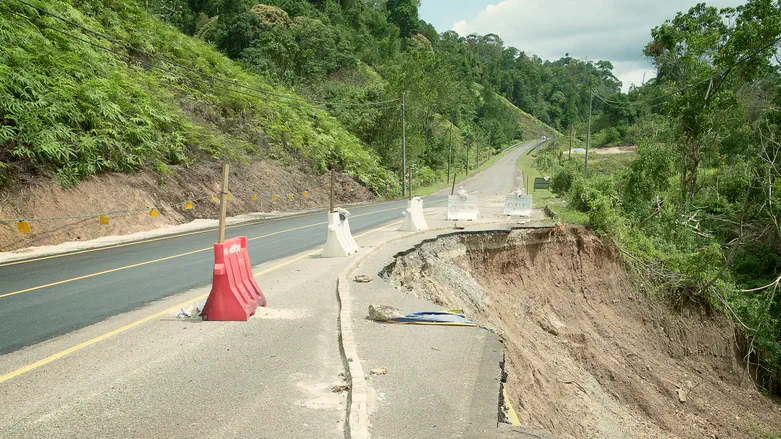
462,27
613,30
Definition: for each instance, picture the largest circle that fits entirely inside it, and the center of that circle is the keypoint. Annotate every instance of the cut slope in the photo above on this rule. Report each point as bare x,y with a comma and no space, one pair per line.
533,127
586,354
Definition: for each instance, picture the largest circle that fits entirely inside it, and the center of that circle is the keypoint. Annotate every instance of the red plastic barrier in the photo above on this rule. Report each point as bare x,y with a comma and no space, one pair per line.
235,295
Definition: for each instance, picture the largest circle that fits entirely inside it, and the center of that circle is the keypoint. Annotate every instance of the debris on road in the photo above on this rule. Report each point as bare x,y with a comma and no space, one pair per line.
193,312
340,388
389,314
379,371
362,278
383,313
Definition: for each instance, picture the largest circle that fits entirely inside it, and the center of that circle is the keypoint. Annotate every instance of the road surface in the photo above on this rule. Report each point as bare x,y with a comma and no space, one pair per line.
42,298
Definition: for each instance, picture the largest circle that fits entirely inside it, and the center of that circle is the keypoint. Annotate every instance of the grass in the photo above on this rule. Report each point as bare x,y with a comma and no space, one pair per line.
607,163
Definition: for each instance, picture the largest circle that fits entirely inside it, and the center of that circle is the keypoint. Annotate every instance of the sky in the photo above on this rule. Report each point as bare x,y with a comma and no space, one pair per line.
593,30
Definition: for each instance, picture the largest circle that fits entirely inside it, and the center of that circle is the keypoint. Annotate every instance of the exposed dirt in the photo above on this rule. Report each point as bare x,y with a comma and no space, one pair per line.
614,150
588,355
107,193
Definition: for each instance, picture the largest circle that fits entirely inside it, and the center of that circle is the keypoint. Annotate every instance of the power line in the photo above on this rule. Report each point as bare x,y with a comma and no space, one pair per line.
132,49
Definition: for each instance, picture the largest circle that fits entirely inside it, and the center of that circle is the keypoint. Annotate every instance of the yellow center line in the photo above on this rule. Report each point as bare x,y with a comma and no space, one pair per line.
162,238
146,319
140,264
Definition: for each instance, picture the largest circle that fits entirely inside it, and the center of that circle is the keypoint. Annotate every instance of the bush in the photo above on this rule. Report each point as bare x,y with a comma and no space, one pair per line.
586,190
611,137
562,181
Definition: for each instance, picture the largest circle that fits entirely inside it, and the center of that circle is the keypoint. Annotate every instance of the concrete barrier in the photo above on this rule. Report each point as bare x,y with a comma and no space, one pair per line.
349,235
460,209
340,242
414,220
518,205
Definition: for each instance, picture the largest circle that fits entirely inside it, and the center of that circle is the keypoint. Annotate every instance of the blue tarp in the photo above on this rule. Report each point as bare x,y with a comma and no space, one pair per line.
578,150
434,318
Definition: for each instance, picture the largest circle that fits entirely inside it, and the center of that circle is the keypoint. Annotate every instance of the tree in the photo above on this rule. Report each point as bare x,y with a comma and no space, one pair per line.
404,14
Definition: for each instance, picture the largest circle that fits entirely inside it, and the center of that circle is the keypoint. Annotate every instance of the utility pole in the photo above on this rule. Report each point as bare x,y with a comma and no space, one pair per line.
450,150
467,160
588,133
223,202
554,152
477,159
403,141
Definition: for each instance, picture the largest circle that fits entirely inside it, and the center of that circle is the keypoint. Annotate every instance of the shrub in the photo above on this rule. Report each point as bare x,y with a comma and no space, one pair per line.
562,181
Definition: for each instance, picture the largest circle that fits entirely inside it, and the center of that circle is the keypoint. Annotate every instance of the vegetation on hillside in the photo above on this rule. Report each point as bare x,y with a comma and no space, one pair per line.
697,211
352,53
142,95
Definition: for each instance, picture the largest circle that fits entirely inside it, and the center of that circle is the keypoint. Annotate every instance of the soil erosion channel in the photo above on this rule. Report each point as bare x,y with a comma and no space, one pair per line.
589,354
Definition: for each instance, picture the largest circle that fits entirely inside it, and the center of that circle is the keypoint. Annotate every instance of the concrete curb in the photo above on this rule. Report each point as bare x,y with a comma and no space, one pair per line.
357,419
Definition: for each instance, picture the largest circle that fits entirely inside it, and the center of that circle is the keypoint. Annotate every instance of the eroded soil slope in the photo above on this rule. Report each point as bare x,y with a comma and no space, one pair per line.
588,355
105,193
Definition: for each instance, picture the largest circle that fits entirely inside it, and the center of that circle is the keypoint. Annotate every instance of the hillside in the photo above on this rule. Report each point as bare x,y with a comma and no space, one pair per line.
113,89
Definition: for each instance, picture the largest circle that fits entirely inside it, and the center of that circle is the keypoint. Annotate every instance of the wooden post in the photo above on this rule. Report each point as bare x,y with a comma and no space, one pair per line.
409,174
450,150
332,189
223,202
453,189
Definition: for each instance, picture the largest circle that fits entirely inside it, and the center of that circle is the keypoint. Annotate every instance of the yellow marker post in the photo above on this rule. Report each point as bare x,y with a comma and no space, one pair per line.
306,194
273,198
103,220
254,198
228,196
364,189
154,213
317,190
290,196
23,226
188,205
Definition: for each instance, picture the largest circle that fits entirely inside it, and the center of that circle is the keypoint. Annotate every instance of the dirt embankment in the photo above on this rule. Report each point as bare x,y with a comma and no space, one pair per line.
587,355
108,193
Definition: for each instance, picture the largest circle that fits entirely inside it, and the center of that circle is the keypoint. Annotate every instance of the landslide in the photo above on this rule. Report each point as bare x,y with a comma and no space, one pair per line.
588,353
109,108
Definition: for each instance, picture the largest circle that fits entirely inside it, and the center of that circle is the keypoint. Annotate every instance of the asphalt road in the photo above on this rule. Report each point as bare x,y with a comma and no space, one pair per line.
43,298
86,290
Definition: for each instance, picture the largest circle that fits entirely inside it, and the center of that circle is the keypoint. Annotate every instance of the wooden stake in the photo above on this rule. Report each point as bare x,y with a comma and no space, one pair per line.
409,173
223,202
332,189
453,189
